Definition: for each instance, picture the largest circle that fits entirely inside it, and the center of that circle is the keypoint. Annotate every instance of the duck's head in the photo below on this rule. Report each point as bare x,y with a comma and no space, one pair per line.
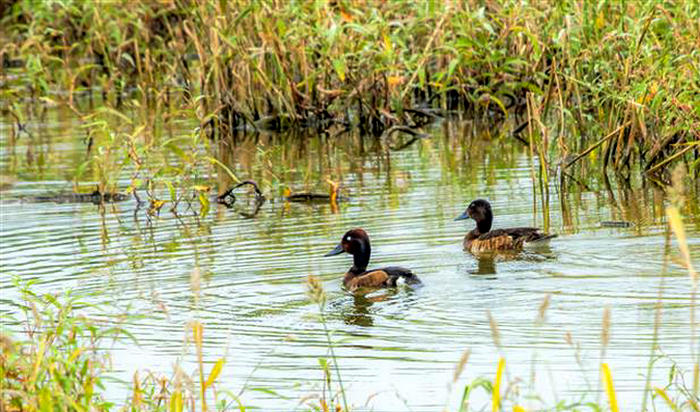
354,242
480,211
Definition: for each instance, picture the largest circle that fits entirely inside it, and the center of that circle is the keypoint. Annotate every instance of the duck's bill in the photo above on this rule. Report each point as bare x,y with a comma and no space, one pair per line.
338,250
463,216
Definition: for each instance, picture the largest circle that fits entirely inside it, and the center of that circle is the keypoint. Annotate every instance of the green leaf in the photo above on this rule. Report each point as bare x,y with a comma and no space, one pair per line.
339,67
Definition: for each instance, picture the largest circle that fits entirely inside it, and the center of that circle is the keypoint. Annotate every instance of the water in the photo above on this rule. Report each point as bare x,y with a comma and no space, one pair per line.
244,278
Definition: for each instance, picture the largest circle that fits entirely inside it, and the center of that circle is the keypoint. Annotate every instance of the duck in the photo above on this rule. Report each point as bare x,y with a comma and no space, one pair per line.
484,239
356,243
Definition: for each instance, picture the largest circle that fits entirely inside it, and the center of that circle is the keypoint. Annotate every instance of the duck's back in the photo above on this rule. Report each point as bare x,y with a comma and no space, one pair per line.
504,239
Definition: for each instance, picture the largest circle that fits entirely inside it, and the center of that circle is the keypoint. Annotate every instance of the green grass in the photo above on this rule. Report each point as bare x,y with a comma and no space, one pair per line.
572,72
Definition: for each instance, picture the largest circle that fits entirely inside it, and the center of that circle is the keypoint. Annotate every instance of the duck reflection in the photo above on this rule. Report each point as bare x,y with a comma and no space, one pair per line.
360,313
486,263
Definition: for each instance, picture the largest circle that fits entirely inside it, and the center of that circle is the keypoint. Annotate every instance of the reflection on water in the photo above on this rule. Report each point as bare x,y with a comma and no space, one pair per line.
241,272
486,265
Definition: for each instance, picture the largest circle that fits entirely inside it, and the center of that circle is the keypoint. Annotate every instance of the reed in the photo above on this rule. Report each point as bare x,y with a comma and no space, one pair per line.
315,292
624,70
58,363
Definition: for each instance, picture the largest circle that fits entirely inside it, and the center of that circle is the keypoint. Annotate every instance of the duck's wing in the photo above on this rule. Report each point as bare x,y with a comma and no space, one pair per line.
376,278
384,277
507,239
529,234
397,272
498,239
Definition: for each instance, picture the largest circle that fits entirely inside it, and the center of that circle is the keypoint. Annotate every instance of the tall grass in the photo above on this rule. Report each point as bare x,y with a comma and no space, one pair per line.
579,71
58,362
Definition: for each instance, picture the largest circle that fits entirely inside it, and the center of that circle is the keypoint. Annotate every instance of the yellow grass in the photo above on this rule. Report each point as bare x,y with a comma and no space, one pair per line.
609,388
497,384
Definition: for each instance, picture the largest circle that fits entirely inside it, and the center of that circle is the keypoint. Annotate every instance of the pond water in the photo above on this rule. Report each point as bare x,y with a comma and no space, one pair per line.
244,278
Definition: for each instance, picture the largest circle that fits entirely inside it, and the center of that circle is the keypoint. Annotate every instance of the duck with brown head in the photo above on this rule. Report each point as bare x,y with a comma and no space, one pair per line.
484,239
356,243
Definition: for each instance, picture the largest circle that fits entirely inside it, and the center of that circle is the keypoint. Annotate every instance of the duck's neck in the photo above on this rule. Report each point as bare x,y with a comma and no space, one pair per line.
484,225
361,260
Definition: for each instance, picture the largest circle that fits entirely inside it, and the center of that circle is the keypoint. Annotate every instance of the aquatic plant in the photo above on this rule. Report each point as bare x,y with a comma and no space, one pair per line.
58,362
606,86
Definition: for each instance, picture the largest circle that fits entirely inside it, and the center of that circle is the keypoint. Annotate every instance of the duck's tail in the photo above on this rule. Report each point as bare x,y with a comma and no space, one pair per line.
542,240
412,279
402,273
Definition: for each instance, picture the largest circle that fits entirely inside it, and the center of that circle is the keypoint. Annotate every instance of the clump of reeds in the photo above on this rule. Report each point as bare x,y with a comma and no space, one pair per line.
606,85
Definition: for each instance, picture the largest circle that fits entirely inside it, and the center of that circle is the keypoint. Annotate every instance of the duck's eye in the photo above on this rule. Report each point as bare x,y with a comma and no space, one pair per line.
348,238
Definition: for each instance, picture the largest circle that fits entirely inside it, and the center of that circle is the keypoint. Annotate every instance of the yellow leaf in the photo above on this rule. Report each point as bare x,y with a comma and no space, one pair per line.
387,43
226,169
204,202
215,372
333,191
394,80
137,395
39,358
600,21
176,404
157,204
202,188
609,388
518,408
347,17
45,400
75,354
497,385
676,223
661,392
197,332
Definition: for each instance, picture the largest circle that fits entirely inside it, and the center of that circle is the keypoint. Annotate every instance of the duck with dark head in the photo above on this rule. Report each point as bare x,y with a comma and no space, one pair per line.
356,243
484,239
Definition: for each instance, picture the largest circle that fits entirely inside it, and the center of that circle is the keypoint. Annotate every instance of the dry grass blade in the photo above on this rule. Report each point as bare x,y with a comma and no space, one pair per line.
605,329
314,290
596,144
495,333
676,222
459,368
542,310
